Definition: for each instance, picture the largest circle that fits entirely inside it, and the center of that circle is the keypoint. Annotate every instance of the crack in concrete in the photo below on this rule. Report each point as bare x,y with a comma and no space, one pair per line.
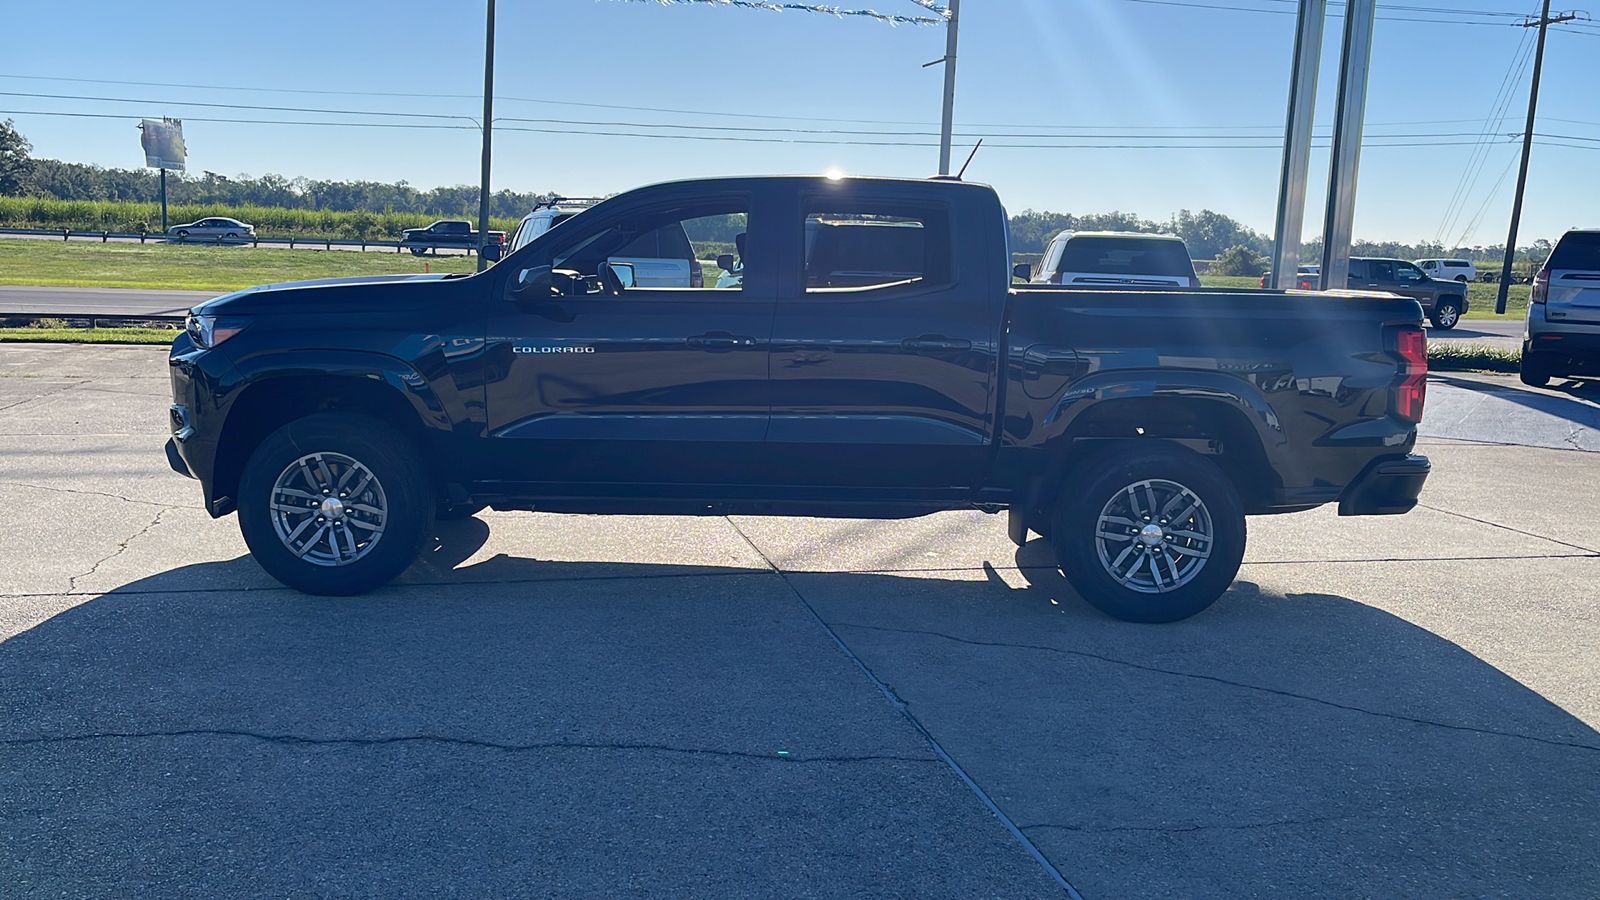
302,740
72,583
46,394
42,487
1185,829
1479,521
1215,679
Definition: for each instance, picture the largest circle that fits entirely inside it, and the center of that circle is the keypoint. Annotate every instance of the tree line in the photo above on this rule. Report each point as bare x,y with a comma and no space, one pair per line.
1209,235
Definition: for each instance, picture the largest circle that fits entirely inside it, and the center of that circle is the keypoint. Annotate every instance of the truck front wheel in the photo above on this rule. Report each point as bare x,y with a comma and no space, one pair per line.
335,504
1149,534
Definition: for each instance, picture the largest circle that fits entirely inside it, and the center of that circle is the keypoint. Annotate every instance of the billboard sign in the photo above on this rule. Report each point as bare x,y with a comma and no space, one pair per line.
163,143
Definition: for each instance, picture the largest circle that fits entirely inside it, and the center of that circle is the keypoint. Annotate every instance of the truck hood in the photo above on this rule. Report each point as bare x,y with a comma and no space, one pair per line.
323,295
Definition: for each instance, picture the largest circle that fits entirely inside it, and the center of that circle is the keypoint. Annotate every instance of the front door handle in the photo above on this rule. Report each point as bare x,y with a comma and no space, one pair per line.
936,342
720,341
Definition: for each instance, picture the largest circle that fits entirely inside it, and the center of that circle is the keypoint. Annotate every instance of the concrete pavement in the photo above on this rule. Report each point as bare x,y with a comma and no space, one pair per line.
589,706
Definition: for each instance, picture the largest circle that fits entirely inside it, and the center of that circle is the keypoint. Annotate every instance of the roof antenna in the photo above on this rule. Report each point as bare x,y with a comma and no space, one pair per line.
969,159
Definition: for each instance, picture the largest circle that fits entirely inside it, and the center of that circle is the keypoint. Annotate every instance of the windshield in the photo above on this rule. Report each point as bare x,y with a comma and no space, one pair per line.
1126,256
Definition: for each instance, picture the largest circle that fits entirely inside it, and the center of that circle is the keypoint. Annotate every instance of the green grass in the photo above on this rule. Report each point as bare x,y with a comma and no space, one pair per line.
1481,297
162,266
1230,281
161,336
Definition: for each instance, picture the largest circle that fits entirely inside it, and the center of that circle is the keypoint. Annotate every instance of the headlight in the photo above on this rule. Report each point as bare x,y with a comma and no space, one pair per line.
209,331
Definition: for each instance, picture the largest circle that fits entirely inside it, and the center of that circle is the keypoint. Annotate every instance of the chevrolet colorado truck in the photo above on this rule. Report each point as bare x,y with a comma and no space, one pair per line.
450,233
874,361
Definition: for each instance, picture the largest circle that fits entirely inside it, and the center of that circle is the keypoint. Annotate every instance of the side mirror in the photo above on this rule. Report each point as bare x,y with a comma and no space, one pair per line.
616,277
726,262
1022,271
536,283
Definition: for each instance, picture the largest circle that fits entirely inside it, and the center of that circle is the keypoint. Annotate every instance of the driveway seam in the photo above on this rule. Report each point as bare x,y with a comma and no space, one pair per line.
905,712
1541,537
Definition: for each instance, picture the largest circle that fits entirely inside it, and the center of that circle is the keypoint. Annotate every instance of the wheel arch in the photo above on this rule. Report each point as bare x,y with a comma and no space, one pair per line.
1233,427
273,397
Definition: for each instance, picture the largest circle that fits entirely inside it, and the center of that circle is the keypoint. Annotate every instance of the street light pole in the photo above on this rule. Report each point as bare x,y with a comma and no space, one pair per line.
947,121
488,119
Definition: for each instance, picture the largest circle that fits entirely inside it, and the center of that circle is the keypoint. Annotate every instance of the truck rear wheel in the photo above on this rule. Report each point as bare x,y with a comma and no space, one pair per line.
1447,313
335,504
1149,534
418,251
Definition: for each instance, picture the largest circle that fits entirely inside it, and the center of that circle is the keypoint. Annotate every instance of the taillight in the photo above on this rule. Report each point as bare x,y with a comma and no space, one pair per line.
1412,347
1541,286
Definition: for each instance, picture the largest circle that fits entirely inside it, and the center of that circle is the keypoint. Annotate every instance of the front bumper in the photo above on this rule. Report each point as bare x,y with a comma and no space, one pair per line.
1386,487
176,461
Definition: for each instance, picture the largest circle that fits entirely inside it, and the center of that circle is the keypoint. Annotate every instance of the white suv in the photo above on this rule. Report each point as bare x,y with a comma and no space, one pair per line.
1116,259
1562,334
1448,269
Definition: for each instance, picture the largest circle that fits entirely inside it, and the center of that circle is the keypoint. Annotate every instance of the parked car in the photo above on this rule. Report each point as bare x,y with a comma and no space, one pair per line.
1116,259
1562,335
1449,269
894,373
664,257
451,233
213,228
546,215
1305,280
1444,302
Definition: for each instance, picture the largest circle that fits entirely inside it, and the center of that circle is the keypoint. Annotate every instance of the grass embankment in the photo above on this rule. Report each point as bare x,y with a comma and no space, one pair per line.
270,221
171,267
51,335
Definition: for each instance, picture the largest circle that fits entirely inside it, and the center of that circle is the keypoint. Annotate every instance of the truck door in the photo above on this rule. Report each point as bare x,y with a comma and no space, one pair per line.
630,391
883,349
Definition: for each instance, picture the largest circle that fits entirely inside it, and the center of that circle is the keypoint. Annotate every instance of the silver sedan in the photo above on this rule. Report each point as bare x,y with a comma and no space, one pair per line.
213,228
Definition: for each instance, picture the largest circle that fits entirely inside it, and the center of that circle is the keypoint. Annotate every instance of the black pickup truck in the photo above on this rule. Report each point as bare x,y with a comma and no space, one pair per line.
451,233
874,360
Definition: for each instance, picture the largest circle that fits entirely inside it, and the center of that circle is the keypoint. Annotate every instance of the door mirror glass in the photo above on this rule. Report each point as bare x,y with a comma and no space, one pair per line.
616,276
535,282
1022,271
726,262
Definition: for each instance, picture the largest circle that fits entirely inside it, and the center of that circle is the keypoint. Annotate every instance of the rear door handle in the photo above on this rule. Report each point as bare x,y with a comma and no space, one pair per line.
936,342
720,341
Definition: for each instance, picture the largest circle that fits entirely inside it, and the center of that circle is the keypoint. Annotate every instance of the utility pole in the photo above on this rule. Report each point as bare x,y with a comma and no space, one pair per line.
1527,149
488,114
947,122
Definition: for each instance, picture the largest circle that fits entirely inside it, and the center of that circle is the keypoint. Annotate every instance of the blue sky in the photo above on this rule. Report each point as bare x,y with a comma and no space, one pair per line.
1128,72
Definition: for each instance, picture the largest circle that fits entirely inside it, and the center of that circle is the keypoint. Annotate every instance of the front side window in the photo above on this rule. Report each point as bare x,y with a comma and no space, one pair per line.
866,245
680,247
1381,270
1409,272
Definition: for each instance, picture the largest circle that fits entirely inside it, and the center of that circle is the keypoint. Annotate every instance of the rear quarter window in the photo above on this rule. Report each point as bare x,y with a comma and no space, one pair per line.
1576,250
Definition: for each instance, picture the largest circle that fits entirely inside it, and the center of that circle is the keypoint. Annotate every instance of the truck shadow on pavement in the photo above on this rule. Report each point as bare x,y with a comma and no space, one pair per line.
1578,406
520,726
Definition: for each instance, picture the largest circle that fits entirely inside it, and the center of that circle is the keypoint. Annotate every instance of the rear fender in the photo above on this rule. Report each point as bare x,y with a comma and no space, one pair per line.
1123,384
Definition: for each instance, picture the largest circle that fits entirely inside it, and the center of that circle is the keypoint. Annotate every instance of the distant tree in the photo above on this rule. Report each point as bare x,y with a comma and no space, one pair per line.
1207,234
16,167
1238,260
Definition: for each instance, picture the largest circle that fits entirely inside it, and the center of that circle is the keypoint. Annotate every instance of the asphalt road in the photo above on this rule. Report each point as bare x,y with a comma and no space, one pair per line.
582,706
64,301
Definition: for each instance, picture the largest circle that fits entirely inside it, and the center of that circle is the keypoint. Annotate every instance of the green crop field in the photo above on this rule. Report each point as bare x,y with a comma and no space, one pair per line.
270,221
157,266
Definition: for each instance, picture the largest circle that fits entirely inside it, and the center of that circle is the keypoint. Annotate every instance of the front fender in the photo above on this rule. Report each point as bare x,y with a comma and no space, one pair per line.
419,393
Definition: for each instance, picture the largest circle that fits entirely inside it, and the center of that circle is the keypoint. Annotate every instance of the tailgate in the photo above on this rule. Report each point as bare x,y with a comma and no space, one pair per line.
1574,296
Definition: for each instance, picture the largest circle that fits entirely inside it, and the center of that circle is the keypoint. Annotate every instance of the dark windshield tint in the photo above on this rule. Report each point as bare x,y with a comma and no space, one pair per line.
1126,256
1576,250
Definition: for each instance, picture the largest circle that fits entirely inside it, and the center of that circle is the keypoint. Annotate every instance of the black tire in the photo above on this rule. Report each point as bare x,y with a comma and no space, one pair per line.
183,235
321,449
418,251
1446,314
233,236
1533,371
456,512
1100,486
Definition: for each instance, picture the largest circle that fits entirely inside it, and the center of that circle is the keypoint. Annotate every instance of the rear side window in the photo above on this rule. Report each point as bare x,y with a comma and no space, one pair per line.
870,246
1576,250
1457,264
1130,256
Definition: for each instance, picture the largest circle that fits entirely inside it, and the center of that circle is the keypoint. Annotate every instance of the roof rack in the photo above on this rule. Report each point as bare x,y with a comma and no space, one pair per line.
554,202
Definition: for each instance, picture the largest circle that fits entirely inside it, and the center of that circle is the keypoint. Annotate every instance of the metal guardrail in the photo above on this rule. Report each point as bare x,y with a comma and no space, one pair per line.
292,243
95,320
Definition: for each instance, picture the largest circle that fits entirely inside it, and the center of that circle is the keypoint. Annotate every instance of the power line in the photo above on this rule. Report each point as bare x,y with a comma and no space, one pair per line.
207,105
